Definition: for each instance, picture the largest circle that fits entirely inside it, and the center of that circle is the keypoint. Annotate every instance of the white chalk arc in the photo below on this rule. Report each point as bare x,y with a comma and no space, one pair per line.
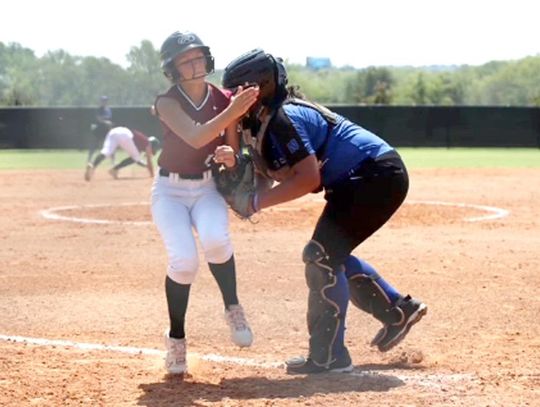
493,212
55,212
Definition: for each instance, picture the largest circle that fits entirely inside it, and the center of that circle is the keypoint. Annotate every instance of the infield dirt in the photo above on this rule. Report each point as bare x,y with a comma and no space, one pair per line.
479,344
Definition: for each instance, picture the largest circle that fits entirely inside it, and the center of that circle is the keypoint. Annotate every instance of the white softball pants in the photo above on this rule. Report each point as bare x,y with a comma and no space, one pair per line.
180,207
120,137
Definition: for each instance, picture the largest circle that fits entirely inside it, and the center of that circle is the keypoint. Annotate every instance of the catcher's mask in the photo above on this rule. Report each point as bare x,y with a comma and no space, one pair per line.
177,44
258,68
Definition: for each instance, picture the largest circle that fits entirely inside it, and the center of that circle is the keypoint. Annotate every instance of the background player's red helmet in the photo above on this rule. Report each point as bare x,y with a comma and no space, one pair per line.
178,43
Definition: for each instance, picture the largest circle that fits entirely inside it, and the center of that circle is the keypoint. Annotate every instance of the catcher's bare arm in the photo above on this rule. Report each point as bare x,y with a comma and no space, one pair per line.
198,135
303,178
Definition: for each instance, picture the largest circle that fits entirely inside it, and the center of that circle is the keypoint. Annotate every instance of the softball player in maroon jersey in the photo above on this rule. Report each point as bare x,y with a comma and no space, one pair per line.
197,120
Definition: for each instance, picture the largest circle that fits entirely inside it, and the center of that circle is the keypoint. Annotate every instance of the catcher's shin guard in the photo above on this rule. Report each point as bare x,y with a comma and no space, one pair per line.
327,302
370,297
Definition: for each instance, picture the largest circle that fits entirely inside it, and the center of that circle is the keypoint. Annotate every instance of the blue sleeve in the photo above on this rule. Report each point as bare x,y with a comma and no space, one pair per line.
290,142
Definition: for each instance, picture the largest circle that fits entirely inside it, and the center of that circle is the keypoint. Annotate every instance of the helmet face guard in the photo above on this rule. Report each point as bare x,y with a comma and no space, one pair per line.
179,43
258,68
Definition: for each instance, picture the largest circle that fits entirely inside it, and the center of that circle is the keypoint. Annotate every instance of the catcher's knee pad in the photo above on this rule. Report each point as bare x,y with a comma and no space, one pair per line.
323,316
183,271
368,295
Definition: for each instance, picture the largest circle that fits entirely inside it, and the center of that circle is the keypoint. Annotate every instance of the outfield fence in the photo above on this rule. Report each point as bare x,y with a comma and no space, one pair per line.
402,126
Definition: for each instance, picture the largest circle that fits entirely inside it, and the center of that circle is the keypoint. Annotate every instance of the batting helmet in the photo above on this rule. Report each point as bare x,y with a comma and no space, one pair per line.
258,67
177,44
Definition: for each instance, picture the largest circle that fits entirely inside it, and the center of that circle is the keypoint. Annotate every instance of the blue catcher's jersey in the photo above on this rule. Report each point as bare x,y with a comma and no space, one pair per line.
297,131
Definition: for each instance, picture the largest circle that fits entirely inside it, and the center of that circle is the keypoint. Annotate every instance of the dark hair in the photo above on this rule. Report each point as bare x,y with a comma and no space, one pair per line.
293,91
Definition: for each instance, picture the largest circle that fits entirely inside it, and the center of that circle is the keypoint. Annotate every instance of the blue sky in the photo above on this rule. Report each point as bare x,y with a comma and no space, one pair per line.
376,32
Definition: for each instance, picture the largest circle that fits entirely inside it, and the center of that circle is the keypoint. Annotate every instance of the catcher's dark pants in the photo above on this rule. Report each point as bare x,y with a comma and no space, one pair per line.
356,207
359,205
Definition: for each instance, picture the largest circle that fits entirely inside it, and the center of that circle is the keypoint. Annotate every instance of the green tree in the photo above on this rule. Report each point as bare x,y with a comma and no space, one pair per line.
145,75
371,85
17,68
419,93
60,79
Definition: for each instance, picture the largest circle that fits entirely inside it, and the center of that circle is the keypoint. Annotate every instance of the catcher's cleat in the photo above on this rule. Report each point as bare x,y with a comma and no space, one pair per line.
301,365
175,360
113,173
89,172
241,333
392,334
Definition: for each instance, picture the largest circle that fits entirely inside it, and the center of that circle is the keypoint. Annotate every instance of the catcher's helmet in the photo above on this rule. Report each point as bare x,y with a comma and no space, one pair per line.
178,43
258,67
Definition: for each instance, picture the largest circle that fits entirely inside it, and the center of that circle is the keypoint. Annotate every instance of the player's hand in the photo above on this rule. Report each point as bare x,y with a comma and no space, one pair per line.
225,155
242,100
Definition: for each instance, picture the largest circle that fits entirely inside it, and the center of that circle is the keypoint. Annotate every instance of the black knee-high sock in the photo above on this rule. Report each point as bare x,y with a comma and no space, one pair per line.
124,163
225,275
99,158
177,301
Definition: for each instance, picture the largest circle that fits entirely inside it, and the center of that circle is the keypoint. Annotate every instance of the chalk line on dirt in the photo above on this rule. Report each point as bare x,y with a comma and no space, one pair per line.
433,381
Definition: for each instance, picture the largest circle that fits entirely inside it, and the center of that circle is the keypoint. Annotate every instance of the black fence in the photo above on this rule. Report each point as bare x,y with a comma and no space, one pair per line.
65,128
401,126
437,126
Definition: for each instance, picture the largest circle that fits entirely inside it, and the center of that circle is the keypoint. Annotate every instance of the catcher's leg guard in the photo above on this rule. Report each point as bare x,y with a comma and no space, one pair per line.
327,305
372,294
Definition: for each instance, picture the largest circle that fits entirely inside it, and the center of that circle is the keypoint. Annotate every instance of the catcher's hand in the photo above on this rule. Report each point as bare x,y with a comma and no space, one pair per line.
237,185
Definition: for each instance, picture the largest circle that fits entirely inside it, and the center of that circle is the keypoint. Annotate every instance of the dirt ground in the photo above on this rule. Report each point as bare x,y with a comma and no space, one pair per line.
101,284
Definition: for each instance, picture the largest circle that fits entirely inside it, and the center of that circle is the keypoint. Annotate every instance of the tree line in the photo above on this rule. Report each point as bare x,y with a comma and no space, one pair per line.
60,79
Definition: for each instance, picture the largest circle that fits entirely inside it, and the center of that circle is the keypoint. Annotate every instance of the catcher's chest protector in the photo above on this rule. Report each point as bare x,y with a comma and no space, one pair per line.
254,144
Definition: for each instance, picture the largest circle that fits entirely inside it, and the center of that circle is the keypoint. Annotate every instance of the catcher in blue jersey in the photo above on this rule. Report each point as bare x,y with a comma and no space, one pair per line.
305,148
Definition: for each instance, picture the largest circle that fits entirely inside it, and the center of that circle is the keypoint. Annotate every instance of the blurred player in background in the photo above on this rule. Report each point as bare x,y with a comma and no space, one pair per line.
101,126
133,142
197,118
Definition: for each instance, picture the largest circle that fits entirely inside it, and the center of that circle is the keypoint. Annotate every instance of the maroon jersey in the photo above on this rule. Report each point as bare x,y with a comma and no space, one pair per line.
140,140
177,155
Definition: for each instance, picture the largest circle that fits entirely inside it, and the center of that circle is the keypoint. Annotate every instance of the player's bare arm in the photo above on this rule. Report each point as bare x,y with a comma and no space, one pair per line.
303,178
232,136
199,135
149,160
226,154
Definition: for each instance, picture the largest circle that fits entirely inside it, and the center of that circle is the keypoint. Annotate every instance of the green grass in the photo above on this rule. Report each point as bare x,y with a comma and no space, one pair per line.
471,157
414,158
44,159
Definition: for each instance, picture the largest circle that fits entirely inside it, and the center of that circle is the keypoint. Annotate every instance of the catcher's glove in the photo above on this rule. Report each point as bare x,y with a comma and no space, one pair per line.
237,185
